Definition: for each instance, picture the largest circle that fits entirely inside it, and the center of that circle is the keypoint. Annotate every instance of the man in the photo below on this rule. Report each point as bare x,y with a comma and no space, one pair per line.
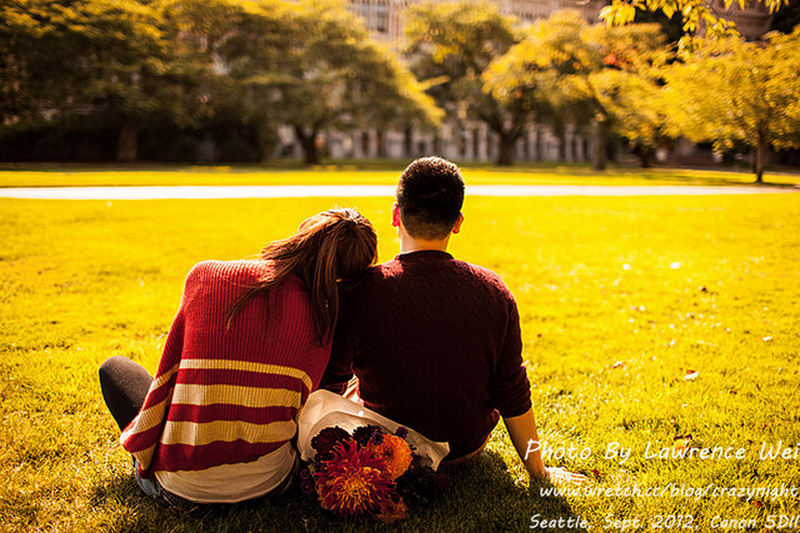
435,342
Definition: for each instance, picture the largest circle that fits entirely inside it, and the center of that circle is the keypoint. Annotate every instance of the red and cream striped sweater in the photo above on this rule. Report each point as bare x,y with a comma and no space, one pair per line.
227,397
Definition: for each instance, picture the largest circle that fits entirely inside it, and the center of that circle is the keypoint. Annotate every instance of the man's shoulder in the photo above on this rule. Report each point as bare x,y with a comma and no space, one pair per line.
485,277
469,273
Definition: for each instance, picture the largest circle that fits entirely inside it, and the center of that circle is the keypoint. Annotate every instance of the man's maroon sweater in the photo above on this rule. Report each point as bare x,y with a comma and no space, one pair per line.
435,344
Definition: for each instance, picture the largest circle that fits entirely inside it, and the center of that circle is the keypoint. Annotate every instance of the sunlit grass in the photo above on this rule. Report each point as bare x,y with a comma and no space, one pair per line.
367,173
619,298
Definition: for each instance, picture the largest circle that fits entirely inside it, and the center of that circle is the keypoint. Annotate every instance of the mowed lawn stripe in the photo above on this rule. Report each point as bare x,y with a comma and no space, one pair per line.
369,173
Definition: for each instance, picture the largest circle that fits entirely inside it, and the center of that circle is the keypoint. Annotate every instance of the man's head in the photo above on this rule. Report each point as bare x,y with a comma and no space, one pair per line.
429,198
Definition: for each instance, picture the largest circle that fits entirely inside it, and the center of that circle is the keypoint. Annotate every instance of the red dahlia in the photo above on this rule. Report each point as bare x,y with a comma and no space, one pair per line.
353,481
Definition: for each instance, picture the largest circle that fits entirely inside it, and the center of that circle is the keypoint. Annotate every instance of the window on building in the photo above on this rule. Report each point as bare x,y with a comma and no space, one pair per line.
382,18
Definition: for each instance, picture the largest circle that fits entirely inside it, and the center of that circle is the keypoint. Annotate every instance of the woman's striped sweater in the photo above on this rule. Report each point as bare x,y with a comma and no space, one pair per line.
228,396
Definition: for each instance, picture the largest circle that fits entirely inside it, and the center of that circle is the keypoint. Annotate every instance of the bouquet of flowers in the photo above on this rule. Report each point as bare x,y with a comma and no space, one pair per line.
365,464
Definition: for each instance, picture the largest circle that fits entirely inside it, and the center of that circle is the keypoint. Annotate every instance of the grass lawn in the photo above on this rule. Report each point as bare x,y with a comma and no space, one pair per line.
619,298
369,173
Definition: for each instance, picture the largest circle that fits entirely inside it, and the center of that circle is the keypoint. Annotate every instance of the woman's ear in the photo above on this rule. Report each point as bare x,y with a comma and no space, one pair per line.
457,225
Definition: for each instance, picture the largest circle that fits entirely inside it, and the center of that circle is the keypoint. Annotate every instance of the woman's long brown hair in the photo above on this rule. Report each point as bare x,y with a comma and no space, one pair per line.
338,244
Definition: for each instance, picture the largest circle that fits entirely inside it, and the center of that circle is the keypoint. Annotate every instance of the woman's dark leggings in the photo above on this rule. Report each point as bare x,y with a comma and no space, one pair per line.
124,385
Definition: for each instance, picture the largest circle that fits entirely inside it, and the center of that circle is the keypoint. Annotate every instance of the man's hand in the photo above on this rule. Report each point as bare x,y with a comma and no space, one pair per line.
557,474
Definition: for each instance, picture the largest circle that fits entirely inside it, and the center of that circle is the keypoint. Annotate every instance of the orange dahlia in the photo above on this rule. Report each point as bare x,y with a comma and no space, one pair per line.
353,481
395,452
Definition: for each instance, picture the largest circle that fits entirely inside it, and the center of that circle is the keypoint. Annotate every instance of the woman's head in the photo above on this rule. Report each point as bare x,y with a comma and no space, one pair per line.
332,246
339,243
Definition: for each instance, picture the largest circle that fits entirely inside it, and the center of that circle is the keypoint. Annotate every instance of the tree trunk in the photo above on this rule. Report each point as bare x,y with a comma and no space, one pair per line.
600,145
539,146
644,157
380,138
308,142
268,139
408,142
761,149
506,156
128,142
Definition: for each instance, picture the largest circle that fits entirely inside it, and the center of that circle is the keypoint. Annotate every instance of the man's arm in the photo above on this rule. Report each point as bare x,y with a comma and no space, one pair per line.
511,394
522,430
340,365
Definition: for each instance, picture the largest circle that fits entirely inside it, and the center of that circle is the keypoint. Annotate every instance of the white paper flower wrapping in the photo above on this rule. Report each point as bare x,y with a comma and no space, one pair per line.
326,409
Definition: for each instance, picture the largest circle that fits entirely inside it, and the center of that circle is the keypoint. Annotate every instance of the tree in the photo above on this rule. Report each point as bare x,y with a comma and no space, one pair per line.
697,16
450,46
247,44
594,75
337,77
626,90
109,60
731,91
309,65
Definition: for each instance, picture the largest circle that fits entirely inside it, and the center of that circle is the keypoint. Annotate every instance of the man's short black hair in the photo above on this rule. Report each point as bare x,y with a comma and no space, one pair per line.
430,195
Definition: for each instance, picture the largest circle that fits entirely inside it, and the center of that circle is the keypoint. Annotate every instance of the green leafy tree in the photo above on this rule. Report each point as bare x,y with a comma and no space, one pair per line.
595,75
310,65
732,92
112,61
246,44
450,46
337,77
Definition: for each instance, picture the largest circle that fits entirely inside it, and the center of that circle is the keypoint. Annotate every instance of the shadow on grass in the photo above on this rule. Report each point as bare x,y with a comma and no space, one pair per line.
696,177
483,496
480,496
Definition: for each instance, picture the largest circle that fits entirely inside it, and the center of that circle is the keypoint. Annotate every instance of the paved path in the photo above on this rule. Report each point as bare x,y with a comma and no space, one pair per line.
353,191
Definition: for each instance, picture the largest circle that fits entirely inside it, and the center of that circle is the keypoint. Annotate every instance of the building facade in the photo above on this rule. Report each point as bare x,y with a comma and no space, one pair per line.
384,18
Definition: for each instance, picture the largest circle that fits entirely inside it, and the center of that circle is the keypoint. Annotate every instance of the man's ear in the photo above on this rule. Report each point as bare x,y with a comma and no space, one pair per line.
457,225
396,216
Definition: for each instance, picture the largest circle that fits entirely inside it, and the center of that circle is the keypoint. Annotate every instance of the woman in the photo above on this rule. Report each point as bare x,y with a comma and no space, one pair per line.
250,342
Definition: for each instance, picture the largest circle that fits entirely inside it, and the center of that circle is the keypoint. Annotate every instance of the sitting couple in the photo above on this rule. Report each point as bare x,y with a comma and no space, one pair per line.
434,344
